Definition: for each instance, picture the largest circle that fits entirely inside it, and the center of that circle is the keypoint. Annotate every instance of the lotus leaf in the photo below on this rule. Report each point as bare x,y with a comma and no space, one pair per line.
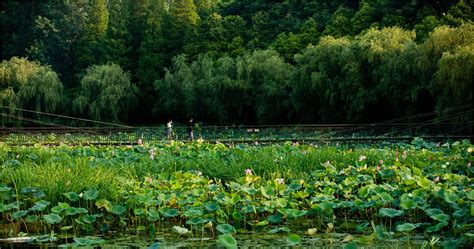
169,212
441,217
88,219
211,206
293,239
18,214
52,218
225,228
90,194
103,203
88,241
227,241
71,211
351,245
390,212
275,218
153,215
118,209
72,196
405,227
436,227
40,205
470,195
386,197
279,230
31,218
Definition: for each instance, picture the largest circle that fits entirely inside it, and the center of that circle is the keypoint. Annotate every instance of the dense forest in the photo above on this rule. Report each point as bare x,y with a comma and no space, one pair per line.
235,62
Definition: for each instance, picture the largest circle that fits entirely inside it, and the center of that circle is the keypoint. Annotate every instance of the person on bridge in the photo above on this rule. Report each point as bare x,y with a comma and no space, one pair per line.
191,130
169,129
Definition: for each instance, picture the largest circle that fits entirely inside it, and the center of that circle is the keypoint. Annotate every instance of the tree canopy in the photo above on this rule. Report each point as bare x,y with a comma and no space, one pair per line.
237,62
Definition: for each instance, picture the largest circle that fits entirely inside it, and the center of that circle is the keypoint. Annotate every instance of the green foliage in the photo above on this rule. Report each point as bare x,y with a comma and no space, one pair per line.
376,70
28,85
106,93
328,183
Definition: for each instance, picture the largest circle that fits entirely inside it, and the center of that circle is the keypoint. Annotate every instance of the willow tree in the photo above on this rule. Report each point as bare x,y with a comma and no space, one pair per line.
28,85
447,63
106,94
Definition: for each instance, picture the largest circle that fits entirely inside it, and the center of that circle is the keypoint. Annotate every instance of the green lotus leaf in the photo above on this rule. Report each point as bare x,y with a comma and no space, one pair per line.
279,230
293,239
88,219
227,241
249,190
153,215
390,212
451,198
248,209
81,211
406,227
424,182
139,212
5,189
71,211
225,228
197,221
408,204
118,209
39,206
294,213
237,216
90,194
18,214
103,203
350,245
281,202
211,206
52,218
72,196
385,197
57,209
275,218
293,187
235,199
470,195
433,211
268,191
193,212
169,212
88,241
436,227
31,218
441,217
459,213
361,227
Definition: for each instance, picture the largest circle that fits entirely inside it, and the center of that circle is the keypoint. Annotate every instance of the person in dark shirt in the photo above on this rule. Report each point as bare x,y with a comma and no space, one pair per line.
190,130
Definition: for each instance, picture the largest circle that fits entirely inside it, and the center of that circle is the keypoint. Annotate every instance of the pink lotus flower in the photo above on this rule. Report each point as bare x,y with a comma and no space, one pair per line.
248,171
381,162
362,158
280,180
436,179
377,169
139,141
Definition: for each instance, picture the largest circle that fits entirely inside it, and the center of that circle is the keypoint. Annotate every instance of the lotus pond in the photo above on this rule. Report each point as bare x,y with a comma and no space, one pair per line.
199,194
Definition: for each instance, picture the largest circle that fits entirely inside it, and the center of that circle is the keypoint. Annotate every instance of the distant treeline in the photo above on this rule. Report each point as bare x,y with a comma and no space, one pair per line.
235,62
